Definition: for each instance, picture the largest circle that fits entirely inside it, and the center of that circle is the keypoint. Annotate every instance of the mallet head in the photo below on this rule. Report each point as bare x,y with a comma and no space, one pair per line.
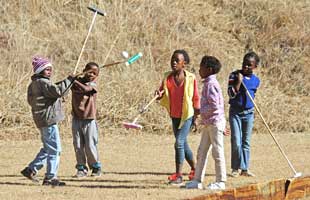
298,174
99,12
132,125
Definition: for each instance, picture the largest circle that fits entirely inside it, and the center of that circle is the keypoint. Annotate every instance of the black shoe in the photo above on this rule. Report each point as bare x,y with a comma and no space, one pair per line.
53,182
30,174
96,172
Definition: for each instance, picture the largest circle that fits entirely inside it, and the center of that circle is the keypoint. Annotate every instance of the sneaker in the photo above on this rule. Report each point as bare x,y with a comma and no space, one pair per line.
53,182
235,173
81,173
96,172
247,173
30,174
217,186
191,174
194,185
175,179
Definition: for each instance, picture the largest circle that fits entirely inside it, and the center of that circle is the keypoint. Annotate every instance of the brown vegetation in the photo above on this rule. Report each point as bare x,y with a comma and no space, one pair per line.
278,30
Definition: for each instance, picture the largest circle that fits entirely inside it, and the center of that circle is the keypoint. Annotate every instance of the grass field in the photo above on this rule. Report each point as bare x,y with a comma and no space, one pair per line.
136,166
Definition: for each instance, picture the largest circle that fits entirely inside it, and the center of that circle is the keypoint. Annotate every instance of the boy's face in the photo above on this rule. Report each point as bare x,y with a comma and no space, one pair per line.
47,72
248,67
204,71
91,73
177,62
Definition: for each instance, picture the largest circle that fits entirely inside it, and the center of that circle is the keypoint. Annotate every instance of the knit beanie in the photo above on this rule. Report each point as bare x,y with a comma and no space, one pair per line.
39,64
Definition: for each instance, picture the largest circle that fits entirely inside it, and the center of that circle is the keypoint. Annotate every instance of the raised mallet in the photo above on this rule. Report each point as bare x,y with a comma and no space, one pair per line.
127,62
133,124
96,11
296,174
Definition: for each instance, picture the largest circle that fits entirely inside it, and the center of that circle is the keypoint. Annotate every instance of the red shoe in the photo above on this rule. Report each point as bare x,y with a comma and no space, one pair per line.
175,178
191,174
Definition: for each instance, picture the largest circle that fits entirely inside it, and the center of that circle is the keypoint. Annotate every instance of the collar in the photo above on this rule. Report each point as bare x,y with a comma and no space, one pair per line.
209,78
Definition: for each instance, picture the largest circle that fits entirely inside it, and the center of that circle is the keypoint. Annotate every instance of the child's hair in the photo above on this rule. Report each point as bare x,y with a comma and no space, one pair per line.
91,64
248,56
184,53
211,62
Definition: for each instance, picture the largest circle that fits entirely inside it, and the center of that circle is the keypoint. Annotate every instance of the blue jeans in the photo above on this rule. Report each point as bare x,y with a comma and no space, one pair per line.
241,124
182,149
49,153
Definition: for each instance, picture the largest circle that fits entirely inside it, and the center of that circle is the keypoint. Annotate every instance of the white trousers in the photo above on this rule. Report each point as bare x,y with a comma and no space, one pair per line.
212,135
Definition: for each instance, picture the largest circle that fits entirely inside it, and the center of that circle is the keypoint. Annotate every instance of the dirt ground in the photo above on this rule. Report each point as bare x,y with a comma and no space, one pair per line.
136,166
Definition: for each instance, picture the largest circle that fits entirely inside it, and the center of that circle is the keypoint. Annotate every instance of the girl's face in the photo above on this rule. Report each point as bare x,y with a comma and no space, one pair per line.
177,62
47,72
91,73
248,66
204,71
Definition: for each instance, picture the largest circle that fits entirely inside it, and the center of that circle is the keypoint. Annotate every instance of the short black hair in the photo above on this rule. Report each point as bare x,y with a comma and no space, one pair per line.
184,53
211,62
248,56
91,64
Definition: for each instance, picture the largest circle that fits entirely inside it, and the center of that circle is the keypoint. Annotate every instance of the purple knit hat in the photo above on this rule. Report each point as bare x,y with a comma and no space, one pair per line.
39,64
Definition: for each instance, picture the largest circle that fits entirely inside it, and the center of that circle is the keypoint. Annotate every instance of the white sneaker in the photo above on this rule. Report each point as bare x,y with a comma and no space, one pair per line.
194,185
217,186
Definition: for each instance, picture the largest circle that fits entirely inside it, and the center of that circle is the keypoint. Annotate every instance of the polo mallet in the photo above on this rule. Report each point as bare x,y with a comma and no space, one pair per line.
296,174
127,62
133,124
96,11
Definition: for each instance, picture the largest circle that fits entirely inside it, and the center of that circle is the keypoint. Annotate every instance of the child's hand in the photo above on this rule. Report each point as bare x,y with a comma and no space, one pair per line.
72,77
226,132
159,94
194,126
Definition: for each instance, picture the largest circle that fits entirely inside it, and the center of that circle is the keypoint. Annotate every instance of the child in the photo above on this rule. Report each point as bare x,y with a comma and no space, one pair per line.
181,99
44,98
84,126
213,121
241,113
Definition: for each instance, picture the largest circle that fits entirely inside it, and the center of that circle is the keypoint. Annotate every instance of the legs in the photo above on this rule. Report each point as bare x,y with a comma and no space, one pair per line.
211,135
50,152
85,140
202,155
241,131
182,149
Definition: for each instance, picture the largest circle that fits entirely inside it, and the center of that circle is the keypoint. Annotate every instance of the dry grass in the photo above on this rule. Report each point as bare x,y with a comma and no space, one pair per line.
278,30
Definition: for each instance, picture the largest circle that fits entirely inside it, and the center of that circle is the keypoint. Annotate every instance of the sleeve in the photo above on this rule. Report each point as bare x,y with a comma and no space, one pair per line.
82,88
29,95
196,98
213,98
231,89
58,89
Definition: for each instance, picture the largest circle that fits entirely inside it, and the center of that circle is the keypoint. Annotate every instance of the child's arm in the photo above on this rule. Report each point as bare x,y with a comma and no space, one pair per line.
83,89
213,96
57,90
234,84
160,91
196,98
196,105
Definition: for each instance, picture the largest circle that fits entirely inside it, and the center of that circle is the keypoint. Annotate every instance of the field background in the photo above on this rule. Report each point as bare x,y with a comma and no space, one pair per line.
277,30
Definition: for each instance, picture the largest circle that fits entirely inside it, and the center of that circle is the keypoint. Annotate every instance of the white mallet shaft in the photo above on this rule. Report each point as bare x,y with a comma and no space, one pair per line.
269,130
